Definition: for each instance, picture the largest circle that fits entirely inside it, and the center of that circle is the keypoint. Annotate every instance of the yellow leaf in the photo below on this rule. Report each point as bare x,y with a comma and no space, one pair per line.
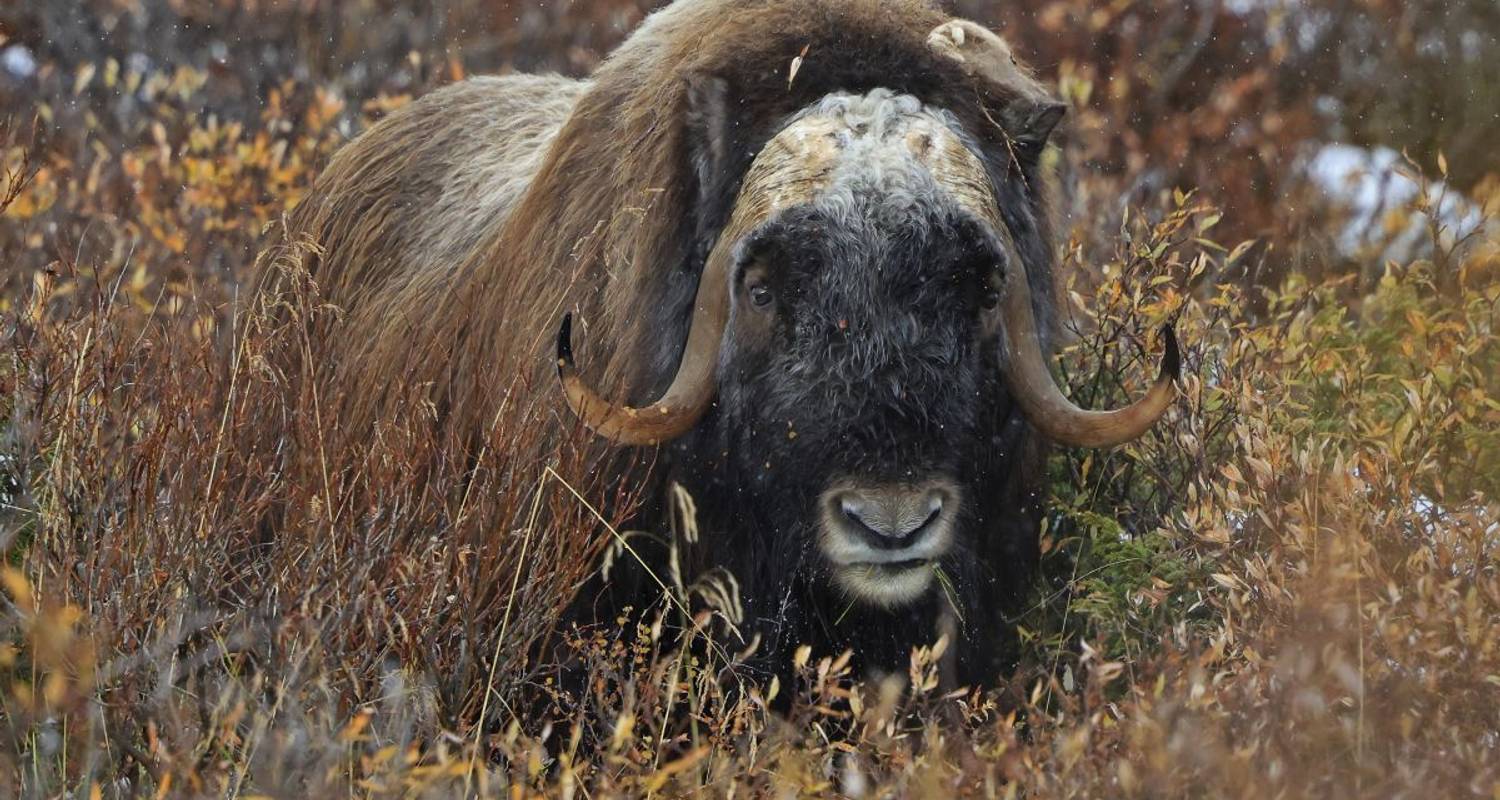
19,588
1416,321
84,77
383,755
662,775
165,789
1239,251
356,725
796,65
54,688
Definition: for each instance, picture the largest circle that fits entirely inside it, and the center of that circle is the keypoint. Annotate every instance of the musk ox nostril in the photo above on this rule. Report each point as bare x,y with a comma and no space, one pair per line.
890,516
881,540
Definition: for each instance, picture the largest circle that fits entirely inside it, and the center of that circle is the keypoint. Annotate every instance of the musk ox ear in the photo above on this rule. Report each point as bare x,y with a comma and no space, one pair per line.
1031,122
711,151
1030,112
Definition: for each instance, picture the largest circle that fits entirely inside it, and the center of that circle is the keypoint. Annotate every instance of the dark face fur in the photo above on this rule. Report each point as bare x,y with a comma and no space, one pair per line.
865,461
859,384
859,461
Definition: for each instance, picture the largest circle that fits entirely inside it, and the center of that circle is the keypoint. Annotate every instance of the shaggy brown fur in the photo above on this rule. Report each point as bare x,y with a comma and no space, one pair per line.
456,233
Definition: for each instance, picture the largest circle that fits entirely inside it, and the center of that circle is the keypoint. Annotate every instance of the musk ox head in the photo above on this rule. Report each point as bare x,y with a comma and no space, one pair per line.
863,326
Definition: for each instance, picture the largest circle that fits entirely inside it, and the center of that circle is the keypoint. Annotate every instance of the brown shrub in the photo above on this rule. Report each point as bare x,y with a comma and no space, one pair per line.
1290,589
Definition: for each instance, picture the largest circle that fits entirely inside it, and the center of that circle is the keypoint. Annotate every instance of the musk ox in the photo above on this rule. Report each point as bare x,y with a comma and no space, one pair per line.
806,246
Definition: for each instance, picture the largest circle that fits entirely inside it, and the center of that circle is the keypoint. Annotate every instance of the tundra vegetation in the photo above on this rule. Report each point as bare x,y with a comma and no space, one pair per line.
1287,588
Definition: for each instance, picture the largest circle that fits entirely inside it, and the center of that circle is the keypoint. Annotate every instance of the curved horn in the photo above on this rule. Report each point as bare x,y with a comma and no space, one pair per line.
959,171
692,389
788,169
1043,402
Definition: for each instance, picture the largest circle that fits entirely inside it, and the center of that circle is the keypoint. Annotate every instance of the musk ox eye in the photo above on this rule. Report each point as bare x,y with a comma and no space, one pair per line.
986,270
760,295
990,298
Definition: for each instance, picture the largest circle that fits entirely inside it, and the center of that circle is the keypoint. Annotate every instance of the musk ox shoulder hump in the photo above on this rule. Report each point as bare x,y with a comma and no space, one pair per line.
420,189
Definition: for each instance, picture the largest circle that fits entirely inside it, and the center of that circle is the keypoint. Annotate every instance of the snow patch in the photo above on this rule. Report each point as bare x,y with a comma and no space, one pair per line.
18,61
1367,184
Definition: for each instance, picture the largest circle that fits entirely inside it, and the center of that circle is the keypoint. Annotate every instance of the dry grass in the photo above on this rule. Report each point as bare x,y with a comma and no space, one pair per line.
1288,589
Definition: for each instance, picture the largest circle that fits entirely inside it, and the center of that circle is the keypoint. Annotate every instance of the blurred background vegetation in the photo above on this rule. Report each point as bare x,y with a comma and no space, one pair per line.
1233,97
1289,590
